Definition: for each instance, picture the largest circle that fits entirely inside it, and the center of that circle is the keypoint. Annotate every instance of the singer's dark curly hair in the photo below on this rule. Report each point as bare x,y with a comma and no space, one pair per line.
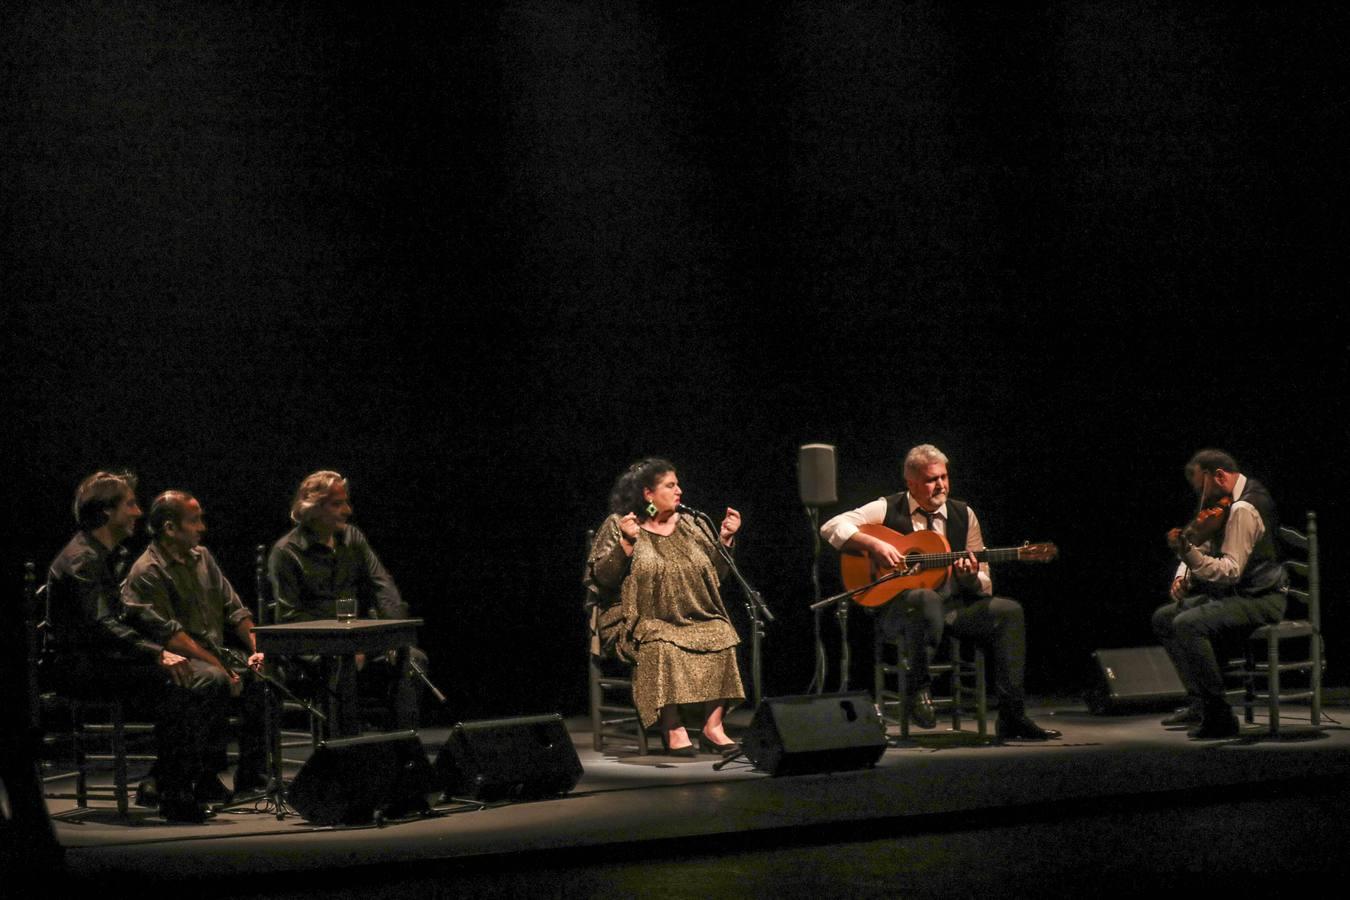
626,497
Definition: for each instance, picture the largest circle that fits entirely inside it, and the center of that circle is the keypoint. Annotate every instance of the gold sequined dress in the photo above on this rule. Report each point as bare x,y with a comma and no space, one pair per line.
673,614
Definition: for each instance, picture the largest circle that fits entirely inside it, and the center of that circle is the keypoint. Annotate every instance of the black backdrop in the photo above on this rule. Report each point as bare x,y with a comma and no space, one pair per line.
480,258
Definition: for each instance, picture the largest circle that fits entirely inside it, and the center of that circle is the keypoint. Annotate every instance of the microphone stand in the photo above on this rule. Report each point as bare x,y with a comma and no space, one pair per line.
754,605
841,612
818,675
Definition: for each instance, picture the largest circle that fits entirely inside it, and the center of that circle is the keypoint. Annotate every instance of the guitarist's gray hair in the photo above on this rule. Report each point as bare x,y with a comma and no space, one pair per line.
921,457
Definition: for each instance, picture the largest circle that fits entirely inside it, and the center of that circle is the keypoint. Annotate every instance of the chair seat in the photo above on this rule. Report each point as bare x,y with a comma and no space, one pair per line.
1285,629
966,680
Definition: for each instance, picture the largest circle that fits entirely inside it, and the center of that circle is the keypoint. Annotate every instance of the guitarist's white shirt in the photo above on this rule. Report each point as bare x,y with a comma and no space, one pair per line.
843,526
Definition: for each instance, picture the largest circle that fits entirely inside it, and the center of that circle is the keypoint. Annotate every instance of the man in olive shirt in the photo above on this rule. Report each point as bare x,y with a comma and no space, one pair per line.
96,655
177,592
325,558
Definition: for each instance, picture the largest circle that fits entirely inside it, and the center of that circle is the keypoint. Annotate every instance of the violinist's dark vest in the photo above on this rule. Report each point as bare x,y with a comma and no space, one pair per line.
1263,573
958,525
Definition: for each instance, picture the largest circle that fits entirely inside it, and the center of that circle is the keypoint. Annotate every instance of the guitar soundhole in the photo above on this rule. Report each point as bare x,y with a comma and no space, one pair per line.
850,713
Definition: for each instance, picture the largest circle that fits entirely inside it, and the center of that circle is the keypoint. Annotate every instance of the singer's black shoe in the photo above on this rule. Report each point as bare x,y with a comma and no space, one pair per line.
921,709
1023,729
688,752
707,745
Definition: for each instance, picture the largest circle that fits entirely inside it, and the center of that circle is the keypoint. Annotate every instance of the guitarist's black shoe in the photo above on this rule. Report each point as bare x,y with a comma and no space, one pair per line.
920,708
1216,724
1023,729
147,794
1190,714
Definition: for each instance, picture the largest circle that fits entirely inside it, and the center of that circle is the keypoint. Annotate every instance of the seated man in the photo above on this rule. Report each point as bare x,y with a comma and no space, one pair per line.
325,558
964,603
176,592
1230,582
95,654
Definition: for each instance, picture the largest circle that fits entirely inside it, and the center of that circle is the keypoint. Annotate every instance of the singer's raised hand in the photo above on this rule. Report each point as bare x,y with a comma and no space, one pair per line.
630,528
731,523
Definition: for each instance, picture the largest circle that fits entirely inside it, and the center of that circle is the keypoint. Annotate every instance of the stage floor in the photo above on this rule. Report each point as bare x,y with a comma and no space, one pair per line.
628,805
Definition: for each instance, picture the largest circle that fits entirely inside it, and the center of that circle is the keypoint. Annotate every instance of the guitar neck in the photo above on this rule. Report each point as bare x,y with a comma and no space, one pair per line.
942,560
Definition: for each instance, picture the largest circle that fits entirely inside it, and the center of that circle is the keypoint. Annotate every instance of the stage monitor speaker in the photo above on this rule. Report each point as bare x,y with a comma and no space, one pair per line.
1133,678
359,780
524,758
815,475
815,733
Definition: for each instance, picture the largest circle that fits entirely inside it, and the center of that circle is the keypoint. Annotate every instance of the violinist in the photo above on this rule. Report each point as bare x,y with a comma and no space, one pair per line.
1228,578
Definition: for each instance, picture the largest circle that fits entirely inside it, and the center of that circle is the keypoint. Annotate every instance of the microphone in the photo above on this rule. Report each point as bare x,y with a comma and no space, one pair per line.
688,510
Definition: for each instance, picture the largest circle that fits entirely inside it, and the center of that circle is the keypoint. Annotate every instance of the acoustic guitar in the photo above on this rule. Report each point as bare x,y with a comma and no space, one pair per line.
927,550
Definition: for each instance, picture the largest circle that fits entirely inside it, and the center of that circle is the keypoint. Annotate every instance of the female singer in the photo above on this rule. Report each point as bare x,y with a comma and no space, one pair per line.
675,628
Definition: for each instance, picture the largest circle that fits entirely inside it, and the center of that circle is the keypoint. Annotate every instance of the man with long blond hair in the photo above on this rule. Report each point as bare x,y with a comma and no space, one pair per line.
325,558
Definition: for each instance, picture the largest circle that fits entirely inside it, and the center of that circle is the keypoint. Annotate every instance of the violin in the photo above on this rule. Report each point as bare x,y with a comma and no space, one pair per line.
1208,522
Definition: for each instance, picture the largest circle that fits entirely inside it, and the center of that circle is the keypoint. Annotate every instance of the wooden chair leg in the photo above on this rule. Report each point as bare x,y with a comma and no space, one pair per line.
1249,687
902,688
77,714
981,697
119,749
1273,683
597,697
1316,679
958,683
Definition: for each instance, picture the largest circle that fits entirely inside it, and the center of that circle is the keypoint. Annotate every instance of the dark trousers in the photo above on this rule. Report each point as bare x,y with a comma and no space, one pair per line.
251,707
919,617
1188,628
379,677
183,715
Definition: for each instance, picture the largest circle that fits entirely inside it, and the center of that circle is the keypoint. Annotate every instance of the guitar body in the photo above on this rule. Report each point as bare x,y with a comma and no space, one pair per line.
930,553
858,569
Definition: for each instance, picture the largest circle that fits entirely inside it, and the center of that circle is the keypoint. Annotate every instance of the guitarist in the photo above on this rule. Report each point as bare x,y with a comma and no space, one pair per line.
965,602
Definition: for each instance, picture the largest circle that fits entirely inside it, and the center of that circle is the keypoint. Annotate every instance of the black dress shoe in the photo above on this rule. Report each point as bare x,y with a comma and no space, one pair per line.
921,709
210,790
1023,729
249,781
1190,714
147,794
182,809
707,745
688,752
1215,726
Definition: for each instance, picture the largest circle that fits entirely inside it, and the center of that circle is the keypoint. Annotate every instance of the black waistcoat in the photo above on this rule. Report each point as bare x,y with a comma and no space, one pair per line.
1263,572
958,527
958,519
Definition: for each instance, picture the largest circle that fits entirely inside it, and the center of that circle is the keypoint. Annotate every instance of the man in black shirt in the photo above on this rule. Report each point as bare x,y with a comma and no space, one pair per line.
95,654
176,591
324,559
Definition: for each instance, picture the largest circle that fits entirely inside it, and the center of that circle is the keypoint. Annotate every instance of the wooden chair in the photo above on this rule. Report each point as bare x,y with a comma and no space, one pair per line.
280,739
94,728
963,678
1291,646
613,714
